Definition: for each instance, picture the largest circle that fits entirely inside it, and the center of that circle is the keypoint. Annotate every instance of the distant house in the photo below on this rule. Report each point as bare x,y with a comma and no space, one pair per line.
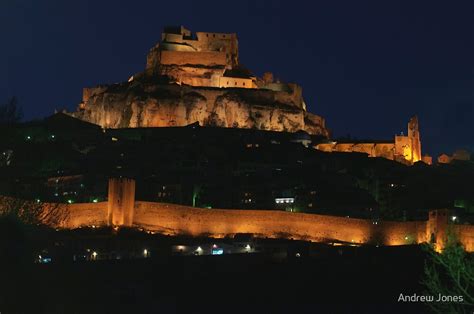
444,159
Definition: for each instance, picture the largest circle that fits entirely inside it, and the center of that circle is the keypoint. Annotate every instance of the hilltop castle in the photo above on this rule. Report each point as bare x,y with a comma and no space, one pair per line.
206,60
197,77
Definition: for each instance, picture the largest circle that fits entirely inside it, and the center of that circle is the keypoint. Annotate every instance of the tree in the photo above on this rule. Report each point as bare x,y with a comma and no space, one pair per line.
10,112
450,273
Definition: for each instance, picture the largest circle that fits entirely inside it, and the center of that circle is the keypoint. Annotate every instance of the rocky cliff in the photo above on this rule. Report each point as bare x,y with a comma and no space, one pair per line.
154,103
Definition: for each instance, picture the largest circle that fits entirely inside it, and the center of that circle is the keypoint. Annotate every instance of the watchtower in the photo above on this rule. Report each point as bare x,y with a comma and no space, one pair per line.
121,202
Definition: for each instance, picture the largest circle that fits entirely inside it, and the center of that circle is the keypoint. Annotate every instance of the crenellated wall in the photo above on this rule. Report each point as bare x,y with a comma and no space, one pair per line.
172,219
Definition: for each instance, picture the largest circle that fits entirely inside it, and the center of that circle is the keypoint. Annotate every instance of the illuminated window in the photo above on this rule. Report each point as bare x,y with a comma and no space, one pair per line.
285,200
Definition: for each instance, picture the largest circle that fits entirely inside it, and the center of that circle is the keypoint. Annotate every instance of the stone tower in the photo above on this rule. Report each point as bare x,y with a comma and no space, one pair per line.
436,228
121,202
414,135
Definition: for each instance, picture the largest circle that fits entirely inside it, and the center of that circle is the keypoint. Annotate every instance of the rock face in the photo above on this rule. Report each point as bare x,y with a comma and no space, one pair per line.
146,103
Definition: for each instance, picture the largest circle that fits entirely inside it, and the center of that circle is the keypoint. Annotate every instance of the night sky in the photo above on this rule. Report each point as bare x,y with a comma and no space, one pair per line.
364,66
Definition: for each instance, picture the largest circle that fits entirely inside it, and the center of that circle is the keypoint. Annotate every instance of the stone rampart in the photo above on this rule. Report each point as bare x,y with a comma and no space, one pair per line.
172,219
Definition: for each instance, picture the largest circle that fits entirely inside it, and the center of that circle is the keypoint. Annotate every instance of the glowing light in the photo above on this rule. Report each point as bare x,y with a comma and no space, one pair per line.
214,245
287,200
70,201
454,218
145,252
217,251
95,200
247,247
94,255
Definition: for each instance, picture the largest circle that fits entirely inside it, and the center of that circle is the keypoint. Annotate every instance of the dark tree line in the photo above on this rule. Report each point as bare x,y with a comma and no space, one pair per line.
10,112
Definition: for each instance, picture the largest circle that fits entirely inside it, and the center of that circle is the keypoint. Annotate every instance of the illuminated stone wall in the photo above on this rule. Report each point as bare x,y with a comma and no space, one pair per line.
208,58
84,214
175,219
171,219
405,149
466,236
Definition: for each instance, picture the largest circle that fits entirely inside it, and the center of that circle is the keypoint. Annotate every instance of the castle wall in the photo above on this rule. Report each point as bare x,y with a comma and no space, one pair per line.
326,147
206,58
176,219
344,147
84,214
403,147
385,150
401,233
172,219
368,148
466,236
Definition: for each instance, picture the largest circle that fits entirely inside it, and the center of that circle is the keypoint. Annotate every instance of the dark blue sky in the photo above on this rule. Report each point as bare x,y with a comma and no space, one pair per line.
365,66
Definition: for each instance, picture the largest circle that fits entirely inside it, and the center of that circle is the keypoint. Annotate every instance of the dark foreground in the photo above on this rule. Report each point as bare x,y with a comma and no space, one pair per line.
368,280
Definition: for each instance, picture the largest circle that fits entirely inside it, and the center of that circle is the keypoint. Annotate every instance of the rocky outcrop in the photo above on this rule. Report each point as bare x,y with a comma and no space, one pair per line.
145,103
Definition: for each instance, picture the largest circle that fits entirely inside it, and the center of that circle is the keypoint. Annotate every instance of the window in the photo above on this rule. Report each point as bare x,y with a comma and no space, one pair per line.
243,83
235,83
